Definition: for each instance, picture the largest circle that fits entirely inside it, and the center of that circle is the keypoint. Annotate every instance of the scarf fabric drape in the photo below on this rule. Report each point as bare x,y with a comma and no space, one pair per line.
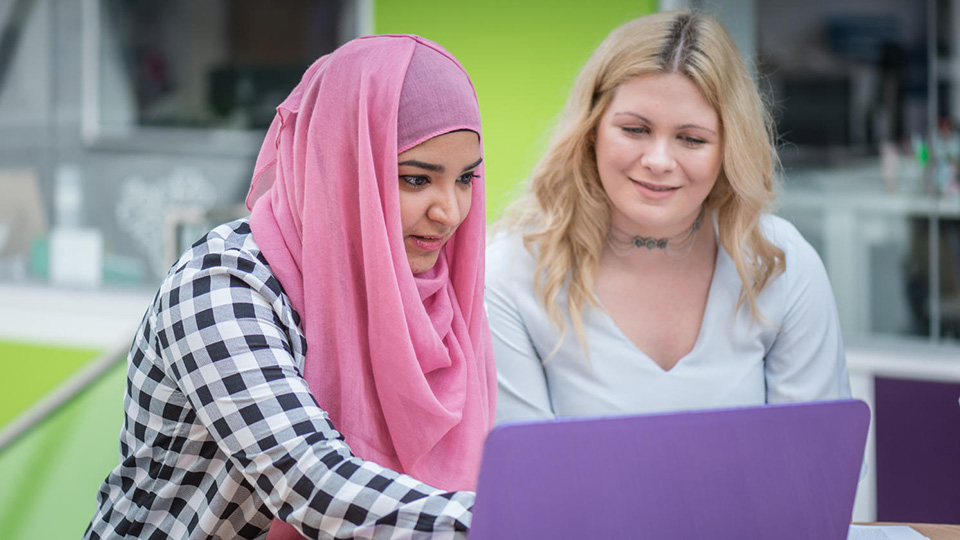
402,363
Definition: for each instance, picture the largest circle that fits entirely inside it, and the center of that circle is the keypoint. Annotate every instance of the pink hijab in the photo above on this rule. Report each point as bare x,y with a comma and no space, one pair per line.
402,363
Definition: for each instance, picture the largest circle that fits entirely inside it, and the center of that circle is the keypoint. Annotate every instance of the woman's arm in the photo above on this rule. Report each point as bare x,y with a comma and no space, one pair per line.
228,350
522,392
807,361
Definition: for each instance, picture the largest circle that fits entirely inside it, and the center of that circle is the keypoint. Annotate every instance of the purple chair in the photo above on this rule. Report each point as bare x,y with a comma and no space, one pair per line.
918,451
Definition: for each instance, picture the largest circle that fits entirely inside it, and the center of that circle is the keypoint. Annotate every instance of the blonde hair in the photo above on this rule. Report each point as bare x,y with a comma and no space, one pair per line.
565,212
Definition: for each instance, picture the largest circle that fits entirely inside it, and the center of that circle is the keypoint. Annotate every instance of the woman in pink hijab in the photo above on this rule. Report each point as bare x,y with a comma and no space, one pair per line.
323,368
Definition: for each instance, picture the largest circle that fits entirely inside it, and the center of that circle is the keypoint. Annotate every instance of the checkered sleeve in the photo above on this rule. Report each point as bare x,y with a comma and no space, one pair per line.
223,338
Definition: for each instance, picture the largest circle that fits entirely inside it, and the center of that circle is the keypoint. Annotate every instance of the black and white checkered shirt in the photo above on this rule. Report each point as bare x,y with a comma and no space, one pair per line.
221,433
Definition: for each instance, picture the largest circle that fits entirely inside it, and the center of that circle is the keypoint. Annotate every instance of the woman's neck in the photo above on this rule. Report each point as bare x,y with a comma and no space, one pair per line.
696,246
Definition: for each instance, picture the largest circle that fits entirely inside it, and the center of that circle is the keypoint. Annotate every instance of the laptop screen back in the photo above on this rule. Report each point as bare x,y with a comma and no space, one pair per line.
776,471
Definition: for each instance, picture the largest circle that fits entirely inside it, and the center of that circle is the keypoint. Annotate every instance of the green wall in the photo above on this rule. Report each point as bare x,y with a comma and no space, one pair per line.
522,57
31,370
49,477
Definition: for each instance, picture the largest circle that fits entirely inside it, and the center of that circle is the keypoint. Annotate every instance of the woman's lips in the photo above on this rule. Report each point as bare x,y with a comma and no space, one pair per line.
654,191
427,243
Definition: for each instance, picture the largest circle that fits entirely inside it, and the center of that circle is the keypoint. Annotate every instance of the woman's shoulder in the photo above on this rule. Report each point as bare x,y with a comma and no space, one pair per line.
228,250
785,235
231,236
800,258
504,242
507,252
229,241
779,231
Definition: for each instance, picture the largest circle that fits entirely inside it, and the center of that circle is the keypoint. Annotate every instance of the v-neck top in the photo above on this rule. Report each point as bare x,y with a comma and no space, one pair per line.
796,354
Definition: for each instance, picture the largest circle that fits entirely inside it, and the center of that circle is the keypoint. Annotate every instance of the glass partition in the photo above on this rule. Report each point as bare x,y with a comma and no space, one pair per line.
201,75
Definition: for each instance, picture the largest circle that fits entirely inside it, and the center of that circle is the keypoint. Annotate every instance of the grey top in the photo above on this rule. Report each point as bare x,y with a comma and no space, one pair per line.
736,361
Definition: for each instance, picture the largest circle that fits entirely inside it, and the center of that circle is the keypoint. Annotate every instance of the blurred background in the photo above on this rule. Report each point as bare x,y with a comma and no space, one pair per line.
130,127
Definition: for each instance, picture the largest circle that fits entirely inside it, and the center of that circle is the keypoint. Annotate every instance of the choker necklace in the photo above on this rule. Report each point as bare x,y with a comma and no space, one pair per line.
622,243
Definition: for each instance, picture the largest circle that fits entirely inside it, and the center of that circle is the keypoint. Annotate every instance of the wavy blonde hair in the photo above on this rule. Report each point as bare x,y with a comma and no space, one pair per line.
565,212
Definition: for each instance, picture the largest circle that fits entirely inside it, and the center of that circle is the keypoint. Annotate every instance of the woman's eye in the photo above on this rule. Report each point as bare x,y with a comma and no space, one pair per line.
693,141
415,181
467,178
634,130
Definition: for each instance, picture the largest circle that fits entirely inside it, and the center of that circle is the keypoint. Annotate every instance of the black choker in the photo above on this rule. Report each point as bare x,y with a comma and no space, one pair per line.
622,243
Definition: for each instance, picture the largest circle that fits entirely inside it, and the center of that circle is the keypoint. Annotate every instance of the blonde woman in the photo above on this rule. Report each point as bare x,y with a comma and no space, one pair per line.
642,271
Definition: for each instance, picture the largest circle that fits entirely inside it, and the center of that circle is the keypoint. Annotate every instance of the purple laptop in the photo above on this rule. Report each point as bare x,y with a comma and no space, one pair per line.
776,471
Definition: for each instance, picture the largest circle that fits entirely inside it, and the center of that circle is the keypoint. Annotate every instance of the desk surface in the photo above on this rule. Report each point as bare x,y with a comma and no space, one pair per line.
931,531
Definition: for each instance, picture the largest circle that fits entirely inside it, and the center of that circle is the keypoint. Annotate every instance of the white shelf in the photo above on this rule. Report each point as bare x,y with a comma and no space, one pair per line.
905,359
69,317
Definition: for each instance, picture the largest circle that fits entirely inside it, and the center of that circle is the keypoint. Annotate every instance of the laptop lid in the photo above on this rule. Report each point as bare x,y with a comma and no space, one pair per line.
776,471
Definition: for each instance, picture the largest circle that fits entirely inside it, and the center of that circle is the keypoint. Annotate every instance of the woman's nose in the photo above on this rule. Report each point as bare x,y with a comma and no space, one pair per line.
445,209
657,157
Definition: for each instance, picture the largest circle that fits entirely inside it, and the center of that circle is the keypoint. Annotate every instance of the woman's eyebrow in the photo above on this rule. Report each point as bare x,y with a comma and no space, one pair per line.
473,165
635,115
697,126
423,165
433,166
